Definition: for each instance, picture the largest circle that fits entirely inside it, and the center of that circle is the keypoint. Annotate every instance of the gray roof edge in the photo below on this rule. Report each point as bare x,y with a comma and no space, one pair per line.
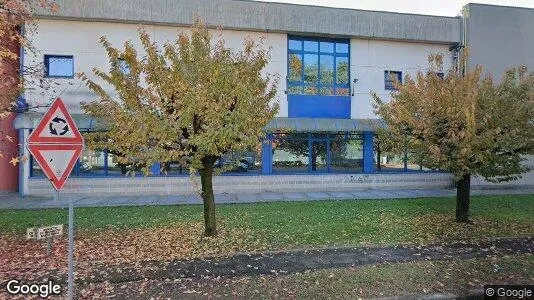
344,8
265,17
303,33
499,6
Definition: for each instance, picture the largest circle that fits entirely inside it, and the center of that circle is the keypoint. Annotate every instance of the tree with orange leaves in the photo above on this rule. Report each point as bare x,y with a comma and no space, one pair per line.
463,123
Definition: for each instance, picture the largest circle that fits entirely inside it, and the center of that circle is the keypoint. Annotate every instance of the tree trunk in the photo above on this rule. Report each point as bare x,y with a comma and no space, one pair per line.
462,199
206,179
378,157
124,169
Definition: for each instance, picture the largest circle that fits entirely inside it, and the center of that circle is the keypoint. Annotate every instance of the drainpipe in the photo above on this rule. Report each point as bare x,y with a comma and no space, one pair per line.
463,39
24,132
458,47
21,102
24,167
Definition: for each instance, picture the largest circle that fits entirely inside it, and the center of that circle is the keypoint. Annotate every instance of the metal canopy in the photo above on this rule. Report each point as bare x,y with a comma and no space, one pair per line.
322,125
84,122
29,120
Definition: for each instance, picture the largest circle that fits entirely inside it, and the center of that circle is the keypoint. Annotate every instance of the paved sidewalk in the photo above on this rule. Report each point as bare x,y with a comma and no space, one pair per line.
13,200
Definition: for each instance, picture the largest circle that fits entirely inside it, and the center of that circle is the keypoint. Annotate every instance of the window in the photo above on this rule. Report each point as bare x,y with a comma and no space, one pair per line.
347,153
93,163
59,66
290,153
318,66
124,67
389,79
317,152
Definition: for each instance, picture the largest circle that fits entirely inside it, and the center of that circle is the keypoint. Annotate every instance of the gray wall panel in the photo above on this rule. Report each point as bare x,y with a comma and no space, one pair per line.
500,37
262,16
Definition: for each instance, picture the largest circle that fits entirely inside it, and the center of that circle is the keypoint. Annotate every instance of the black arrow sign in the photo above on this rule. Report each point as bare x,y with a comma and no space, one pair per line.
52,128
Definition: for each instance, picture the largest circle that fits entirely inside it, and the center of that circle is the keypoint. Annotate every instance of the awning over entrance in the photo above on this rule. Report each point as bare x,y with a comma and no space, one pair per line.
29,120
84,122
323,125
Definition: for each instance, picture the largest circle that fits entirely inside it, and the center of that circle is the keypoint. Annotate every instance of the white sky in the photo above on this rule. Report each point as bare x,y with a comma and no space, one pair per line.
428,7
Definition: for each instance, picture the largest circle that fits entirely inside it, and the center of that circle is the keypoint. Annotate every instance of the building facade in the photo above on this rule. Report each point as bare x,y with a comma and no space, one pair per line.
511,44
329,61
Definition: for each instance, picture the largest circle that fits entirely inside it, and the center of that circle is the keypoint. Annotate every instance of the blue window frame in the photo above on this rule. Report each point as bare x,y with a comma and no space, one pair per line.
318,66
59,66
337,152
389,79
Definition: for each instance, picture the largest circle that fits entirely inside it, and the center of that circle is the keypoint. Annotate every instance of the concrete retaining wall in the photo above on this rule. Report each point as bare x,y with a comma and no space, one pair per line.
243,184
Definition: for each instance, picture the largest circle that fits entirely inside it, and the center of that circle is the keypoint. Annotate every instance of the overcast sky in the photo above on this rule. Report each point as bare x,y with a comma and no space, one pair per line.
429,7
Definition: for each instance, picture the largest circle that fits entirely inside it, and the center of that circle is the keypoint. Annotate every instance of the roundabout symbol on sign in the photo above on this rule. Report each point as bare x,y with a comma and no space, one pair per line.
57,123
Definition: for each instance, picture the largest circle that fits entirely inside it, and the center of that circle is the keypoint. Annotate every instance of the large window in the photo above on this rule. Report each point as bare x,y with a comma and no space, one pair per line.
347,153
318,66
386,161
59,66
290,153
101,162
317,152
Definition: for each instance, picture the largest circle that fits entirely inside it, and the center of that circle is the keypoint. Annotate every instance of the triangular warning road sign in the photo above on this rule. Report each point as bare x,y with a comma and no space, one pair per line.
56,161
56,126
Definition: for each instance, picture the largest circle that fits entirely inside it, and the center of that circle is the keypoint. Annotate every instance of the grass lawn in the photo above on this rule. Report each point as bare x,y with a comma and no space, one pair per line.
455,277
114,236
303,224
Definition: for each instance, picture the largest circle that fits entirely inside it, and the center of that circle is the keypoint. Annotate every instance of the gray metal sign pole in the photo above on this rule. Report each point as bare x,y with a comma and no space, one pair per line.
70,284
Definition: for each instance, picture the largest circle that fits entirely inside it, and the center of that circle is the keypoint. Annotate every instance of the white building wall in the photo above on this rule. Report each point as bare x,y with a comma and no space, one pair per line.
81,39
370,58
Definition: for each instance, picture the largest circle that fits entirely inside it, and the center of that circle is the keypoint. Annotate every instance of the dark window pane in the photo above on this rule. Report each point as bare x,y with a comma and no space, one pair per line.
175,168
114,167
327,69
390,162
342,91
342,48
59,66
36,169
342,70
346,155
318,156
293,136
295,90
390,77
311,46
295,68
310,90
311,68
327,47
319,135
290,156
327,91
240,162
295,45
92,163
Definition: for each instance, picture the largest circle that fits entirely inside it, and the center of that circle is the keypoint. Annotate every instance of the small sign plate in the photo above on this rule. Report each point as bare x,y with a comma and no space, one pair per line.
50,231
31,233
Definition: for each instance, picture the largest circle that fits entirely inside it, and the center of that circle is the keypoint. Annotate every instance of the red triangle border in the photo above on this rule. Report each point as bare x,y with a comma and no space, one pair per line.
34,138
36,149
